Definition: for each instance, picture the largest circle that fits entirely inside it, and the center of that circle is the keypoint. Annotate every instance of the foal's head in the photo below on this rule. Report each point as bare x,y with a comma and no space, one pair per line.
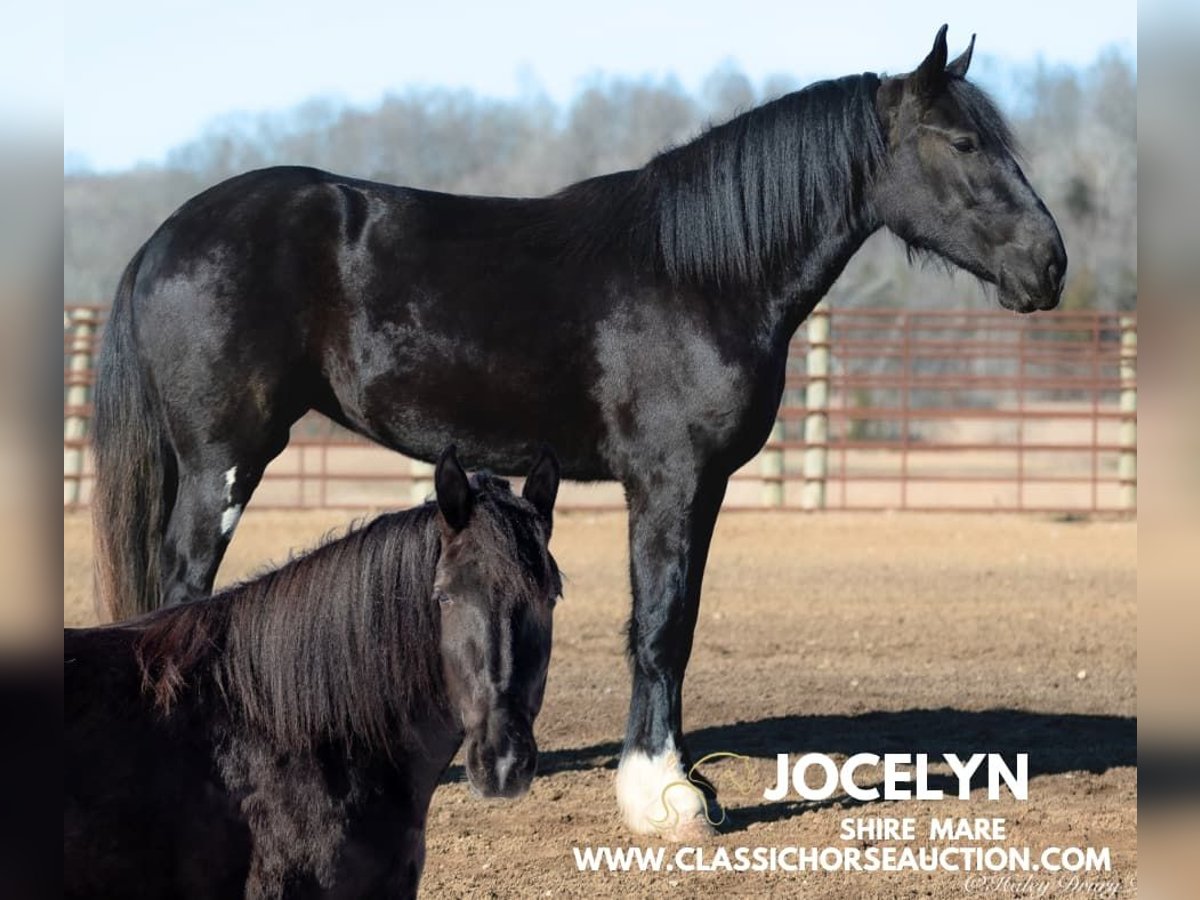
954,189
496,585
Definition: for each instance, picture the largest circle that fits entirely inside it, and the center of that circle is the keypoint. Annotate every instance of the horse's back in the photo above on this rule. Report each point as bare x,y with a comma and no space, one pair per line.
143,813
294,242
290,289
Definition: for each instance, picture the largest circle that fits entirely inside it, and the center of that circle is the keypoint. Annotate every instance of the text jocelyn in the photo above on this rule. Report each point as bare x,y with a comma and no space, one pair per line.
905,776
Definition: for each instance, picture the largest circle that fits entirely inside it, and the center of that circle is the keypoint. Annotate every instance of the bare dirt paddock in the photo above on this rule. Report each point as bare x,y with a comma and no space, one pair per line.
833,633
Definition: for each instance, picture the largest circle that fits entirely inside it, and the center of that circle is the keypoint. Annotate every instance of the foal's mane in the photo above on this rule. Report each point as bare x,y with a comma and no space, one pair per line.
342,643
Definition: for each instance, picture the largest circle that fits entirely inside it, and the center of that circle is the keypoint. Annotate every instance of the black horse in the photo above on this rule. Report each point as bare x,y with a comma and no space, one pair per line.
638,322
284,738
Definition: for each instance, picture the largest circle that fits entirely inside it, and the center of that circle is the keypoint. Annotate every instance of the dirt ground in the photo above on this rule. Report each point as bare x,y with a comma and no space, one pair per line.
838,633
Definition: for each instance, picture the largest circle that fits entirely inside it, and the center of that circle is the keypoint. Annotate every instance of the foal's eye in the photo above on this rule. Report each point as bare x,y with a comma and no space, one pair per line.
443,598
964,145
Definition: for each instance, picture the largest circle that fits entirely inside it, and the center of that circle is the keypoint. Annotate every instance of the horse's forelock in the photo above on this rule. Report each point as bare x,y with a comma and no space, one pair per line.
507,527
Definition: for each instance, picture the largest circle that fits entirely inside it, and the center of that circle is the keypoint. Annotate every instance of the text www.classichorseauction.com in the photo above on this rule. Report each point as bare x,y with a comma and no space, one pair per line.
879,843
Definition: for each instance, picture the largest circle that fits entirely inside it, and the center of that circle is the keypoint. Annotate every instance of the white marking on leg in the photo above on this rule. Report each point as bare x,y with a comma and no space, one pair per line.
229,519
654,794
232,511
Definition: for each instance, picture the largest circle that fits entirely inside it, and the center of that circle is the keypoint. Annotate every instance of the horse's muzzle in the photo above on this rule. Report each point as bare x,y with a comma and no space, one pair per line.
506,770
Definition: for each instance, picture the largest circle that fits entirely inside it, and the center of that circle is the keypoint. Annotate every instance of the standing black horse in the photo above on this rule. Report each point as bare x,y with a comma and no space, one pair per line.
639,322
284,738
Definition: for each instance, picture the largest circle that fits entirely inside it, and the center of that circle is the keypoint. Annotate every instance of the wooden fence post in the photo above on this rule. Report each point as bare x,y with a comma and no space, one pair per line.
772,466
1127,461
81,326
816,419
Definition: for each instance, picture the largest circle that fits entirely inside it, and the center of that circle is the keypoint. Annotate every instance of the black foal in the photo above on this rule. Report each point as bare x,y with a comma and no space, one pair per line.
285,737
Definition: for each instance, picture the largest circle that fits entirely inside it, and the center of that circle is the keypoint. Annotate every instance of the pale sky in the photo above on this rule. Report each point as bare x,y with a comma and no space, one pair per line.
143,76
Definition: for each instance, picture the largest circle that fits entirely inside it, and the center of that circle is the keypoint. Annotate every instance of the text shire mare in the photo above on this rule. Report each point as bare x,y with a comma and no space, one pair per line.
637,322
284,738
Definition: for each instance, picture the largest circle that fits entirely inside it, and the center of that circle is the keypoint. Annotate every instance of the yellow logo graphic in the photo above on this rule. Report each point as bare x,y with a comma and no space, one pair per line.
740,779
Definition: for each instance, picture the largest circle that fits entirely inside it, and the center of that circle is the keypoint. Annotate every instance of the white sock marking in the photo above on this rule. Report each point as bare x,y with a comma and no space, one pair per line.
644,782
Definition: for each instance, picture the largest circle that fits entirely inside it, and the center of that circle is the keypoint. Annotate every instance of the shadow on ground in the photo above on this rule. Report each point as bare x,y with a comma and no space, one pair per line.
1056,743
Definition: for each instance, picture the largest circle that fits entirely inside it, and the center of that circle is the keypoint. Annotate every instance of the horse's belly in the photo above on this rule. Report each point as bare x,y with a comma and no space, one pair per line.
413,397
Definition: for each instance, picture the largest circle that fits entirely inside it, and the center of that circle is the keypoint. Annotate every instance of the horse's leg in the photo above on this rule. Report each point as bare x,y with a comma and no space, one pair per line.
670,528
216,481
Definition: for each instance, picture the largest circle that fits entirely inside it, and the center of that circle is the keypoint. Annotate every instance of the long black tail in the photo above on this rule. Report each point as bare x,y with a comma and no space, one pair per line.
133,479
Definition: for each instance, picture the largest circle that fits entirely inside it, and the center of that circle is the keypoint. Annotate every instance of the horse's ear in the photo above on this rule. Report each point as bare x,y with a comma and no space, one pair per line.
930,76
541,485
958,67
453,490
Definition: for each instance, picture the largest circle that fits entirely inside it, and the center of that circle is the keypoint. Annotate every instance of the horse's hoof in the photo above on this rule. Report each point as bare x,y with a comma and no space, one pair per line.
656,797
695,830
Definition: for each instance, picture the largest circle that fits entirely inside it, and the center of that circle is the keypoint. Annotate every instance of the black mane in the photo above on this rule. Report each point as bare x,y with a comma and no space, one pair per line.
342,643
750,193
741,198
745,197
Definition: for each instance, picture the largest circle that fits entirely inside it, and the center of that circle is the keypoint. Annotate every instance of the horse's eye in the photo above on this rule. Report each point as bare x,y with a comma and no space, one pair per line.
443,598
964,145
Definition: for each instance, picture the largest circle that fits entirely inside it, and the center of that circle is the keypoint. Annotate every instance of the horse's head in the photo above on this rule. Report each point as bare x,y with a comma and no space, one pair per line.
953,187
496,585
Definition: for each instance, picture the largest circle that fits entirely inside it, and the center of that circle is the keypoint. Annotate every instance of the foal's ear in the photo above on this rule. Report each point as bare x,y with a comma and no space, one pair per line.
541,485
453,490
930,76
958,66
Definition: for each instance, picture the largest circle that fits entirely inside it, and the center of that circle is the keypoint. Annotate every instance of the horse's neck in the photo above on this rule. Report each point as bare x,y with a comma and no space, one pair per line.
408,766
422,752
810,275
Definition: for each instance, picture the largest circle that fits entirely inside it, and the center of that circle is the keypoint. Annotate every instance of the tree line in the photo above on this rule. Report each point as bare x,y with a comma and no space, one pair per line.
1077,128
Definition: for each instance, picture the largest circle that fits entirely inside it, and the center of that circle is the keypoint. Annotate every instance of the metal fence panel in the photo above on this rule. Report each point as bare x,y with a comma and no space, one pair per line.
882,409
